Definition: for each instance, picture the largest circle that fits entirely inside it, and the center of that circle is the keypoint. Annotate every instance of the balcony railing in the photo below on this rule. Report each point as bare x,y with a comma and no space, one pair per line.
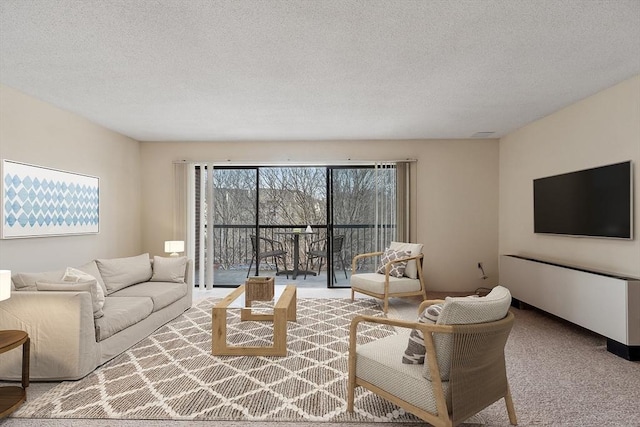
233,250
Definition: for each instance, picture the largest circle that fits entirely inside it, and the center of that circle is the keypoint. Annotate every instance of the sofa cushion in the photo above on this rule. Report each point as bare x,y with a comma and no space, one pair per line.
411,270
75,275
170,269
118,273
27,281
464,311
90,286
92,269
120,313
161,293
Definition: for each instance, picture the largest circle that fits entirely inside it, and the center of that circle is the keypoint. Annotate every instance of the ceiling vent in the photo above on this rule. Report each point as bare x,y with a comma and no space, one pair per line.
482,134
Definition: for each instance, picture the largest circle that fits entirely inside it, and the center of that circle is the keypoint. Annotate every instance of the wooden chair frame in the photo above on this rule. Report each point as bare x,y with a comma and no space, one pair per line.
445,417
387,292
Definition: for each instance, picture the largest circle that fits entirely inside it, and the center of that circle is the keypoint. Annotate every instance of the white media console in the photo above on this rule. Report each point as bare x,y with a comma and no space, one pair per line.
603,303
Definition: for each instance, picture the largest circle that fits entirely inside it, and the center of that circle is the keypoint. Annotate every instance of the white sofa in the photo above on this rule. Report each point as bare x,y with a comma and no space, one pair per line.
75,327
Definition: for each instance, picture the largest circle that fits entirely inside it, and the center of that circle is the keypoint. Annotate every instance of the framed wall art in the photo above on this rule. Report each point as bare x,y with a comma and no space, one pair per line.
39,201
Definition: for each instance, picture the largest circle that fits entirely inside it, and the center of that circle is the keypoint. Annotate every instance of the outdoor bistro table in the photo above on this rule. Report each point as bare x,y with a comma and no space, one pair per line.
296,253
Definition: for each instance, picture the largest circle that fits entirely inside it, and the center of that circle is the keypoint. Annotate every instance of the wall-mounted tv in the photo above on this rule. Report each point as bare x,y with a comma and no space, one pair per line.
595,202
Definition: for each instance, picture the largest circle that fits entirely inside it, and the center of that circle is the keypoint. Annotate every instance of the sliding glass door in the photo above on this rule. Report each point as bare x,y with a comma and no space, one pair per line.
253,221
361,215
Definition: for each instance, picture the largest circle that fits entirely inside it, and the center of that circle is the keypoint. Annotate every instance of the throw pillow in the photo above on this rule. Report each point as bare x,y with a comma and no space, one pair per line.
170,269
90,286
416,351
27,281
92,268
76,276
118,273
397,268
414,249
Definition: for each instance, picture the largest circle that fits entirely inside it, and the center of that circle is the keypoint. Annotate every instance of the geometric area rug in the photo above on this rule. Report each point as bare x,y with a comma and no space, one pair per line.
172,375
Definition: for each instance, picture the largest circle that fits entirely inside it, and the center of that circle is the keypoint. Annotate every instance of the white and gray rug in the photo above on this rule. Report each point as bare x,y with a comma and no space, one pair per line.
172,374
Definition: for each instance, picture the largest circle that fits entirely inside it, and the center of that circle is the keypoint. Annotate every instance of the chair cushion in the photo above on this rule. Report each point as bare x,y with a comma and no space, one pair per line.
374,282
378,362
464,311
397,269
414,249
415,352
119,273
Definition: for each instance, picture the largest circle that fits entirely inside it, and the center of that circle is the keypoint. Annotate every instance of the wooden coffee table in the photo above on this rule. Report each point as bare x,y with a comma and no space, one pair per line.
284,310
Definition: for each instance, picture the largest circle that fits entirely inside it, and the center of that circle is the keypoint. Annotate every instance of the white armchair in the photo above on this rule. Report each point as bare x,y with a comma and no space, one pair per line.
385,285
464,370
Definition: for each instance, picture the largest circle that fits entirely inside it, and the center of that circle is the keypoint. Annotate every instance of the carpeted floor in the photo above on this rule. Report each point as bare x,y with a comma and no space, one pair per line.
172,375
560,375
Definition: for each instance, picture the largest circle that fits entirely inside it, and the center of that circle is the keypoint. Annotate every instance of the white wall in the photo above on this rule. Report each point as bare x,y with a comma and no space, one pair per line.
35,132
456,194
599,130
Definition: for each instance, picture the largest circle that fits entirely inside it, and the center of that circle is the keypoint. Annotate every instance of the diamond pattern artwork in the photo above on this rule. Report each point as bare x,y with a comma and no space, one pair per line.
173,375
39,201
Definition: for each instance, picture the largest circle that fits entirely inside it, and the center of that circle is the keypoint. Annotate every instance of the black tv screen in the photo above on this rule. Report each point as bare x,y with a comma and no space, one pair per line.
594,202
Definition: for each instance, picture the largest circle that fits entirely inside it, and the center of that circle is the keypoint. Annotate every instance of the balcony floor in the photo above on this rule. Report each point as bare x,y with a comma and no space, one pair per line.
232,278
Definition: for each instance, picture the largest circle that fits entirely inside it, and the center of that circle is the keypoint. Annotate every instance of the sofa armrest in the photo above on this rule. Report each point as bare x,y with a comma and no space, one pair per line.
62,332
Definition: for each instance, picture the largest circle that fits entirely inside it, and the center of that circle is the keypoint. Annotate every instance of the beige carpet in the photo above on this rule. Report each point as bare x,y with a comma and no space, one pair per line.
172,375
560,375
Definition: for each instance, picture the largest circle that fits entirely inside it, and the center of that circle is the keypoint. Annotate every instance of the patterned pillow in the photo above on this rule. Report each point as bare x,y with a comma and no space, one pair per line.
415,352
397,269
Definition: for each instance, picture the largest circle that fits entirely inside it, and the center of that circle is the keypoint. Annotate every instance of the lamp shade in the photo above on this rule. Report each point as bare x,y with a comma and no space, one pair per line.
5,284
174,246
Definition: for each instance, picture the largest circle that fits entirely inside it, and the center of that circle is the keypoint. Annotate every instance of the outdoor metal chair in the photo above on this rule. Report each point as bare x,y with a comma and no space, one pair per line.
318,251
268,248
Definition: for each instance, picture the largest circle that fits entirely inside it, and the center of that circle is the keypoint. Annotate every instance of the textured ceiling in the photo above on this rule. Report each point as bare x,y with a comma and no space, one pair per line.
316,70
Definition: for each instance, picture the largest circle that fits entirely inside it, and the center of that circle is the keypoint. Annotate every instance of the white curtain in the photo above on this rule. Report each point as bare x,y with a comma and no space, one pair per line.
206,246
193,216
392,217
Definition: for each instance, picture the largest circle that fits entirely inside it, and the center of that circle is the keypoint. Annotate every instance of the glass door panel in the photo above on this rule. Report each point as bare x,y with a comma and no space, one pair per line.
362,211
234,222
290,199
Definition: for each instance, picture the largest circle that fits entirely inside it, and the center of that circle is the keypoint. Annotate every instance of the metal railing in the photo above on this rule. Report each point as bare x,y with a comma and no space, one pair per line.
233,249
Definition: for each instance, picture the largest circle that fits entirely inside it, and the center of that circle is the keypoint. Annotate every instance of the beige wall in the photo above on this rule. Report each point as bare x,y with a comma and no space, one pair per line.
599,130
456,194
35,132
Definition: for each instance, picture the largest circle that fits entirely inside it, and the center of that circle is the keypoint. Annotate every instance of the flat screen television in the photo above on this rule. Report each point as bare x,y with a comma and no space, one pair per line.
595,202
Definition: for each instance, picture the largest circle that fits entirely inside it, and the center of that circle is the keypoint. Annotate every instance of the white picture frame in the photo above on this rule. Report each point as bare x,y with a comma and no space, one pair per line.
38,201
